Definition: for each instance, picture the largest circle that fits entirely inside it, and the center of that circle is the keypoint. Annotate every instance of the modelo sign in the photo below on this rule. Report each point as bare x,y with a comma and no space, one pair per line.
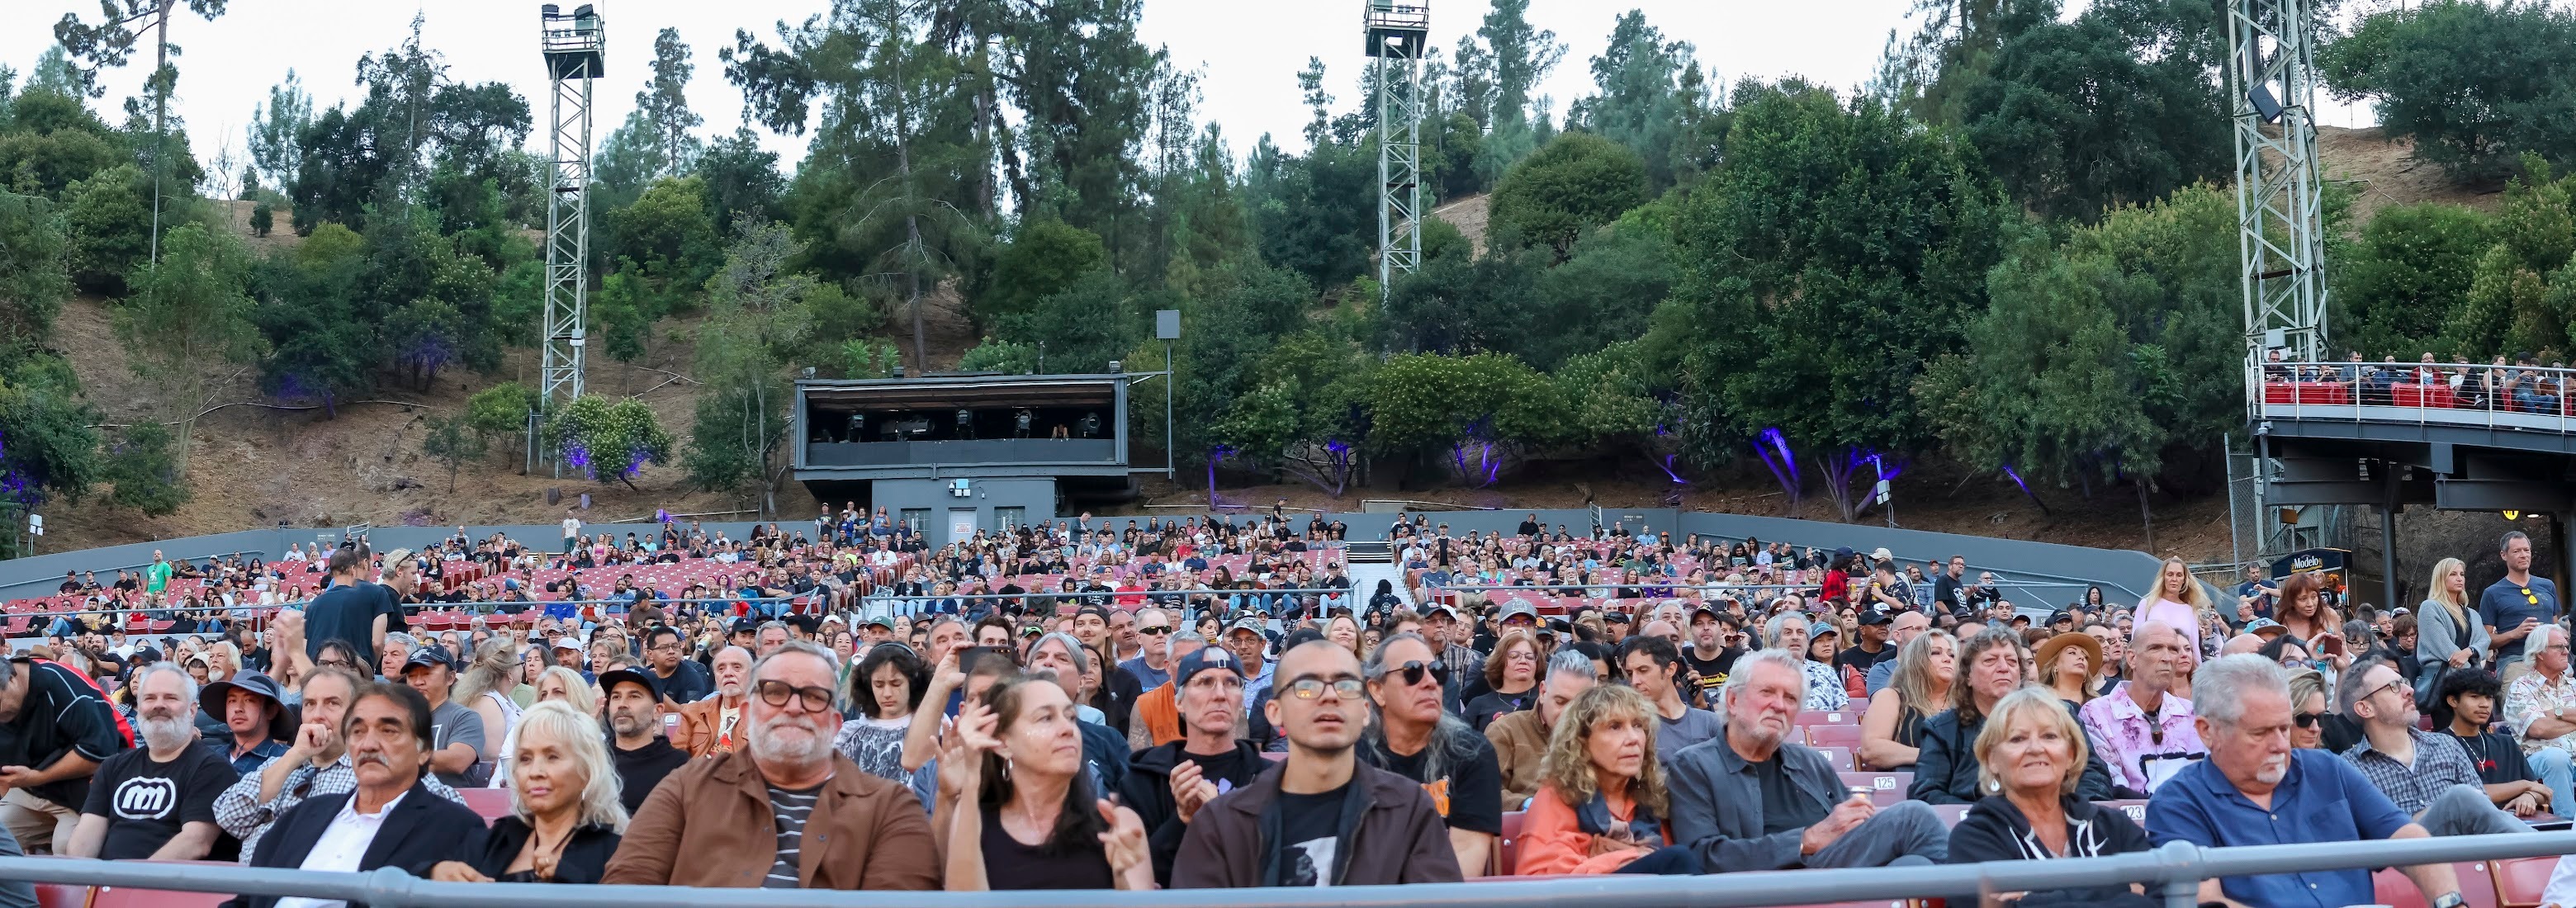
2310,561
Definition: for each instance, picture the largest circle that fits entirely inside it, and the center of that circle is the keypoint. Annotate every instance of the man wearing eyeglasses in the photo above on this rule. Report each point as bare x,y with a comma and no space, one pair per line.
1323,818
1415,738
2426,774
2512,607
785,812
2541,705
681,681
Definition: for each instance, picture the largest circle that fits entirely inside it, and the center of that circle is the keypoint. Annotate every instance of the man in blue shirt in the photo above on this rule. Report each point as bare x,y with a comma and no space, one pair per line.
2255,789
2517,603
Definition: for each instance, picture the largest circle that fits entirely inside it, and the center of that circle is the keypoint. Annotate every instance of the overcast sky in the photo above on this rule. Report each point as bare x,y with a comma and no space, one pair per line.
1250,51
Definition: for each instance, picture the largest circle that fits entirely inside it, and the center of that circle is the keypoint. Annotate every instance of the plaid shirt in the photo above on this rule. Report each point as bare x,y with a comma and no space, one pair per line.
2440,762
239,811
2532,696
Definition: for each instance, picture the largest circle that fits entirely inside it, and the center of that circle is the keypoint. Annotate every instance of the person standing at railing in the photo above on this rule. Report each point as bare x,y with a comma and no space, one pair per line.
350,611
2254,782
2512,607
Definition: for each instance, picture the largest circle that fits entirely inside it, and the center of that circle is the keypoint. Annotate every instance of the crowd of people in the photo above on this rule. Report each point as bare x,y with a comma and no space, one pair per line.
2522,384
1149,726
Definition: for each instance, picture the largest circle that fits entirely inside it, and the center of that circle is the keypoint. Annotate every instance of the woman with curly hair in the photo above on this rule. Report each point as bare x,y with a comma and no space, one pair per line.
1601,795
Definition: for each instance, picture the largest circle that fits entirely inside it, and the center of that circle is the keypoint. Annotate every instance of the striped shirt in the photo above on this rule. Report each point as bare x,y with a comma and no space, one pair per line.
791,808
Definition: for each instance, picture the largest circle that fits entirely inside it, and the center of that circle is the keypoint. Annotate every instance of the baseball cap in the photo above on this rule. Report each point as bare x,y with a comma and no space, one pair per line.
1203,659
1249,623
1882,554
1876,615
1519,608
428,656
568,643
2265,628
1094,611
745,625
878,621
610,679
2059,615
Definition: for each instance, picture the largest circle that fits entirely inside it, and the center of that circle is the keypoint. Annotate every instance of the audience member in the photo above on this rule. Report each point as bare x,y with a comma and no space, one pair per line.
2465,705
1014,796
1521,739
1653,665
2449,632
255,723
2254,775
352,612
638,756
713,725
456,729
2032,756
1600,809
1891,730
157,801
1750,799
565,809
2065,663
691,830
389,819
1167,785
1413,737
58,730
682,681
1902,630
2144,728
2518,604
2426,774
1947,771
1511,679
1298,824
885,689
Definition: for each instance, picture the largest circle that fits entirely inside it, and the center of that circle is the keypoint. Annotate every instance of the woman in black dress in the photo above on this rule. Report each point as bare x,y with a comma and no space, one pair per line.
565,815
1014,795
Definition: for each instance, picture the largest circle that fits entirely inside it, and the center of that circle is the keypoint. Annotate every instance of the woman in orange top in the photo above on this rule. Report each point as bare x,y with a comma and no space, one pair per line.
1601,799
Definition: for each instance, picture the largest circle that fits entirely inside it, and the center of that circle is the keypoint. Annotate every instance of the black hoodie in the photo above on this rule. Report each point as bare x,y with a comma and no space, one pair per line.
1147,790
1996,830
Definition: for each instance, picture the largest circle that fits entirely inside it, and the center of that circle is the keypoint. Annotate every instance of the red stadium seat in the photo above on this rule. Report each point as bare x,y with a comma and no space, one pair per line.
1950,813
1840,757
59,895
2390,886
125,897
488,803
1507,849
2519,882
1834,736
1839,717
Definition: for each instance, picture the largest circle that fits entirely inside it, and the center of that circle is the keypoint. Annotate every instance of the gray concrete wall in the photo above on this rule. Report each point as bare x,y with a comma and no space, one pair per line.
2123,574
1035,498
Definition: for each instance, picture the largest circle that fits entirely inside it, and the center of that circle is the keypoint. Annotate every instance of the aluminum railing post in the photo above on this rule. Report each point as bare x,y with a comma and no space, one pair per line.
2182,864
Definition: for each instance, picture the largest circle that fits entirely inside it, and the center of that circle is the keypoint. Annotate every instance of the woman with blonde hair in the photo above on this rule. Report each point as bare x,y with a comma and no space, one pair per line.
2177,600
2448,633
565,817
2031,757
1891,730
1601,795
484,687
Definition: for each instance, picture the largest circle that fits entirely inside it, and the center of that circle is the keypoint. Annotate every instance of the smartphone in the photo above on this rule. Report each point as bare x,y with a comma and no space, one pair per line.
972,656
2331,646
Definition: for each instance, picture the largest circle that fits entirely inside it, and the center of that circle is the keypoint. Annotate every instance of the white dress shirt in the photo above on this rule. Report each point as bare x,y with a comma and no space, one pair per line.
343,844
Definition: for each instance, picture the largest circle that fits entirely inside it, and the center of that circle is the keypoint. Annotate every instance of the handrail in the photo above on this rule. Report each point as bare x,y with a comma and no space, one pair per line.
2462,394
2175,870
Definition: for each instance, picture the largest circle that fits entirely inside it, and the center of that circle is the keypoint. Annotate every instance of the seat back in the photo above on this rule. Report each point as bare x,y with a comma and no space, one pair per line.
1834,736
1885,788
129,897
1836,717
61,895
2519,882
1839,757
488,803
1507,847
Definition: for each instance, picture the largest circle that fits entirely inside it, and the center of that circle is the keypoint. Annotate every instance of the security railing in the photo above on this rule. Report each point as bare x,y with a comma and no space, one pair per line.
2431,394
2172,873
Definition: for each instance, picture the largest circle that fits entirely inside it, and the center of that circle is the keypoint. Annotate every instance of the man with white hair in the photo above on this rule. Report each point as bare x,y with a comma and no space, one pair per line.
1751,799
836,826
2255,789
1825,690
2541,707
156,802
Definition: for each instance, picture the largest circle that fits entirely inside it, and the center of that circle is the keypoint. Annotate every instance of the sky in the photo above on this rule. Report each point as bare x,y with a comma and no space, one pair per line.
1250,52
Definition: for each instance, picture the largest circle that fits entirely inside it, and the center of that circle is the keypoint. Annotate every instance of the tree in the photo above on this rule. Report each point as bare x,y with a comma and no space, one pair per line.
742,180
145,474
1462,305
608,441
1647,100
188,329
500,411
381,152
1522,56
2476,85
2079,117
2410,270
1097,319
664,102
1000,356
1578,182
2522,290
111,42
453,441
1041,260
1835,254
1469,410
107,220
53,142
34,273
277,130
49,442
757,313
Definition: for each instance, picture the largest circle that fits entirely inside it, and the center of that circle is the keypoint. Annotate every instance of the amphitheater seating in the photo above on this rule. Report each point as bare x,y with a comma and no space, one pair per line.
2519,882
61,895
1885,788
1834,736
489,803
127,897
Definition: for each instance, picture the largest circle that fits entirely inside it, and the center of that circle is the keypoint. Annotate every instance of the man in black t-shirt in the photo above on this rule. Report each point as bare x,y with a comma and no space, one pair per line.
1416,739
1713,651
350,611
1872,648
2467,699
55,729
156,802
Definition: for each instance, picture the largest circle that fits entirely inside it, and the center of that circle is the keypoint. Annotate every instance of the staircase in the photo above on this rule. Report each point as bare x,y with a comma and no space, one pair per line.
1370,562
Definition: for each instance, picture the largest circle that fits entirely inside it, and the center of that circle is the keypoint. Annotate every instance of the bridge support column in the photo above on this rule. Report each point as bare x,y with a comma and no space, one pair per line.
2388,542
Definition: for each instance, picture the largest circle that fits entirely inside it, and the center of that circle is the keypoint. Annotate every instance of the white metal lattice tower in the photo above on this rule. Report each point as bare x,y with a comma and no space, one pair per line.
2280,228
572,46
1398,36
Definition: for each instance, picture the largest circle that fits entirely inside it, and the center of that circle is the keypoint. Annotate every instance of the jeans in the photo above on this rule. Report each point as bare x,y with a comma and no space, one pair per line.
2556,769
1674,860
2465,810
1907,832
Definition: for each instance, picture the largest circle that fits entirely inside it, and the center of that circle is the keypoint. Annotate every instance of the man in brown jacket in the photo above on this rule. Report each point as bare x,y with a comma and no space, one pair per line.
713,725
1520,737
835,826
1323,818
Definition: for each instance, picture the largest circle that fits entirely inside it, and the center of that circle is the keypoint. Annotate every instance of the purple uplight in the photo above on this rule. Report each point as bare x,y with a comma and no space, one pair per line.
1667,467
2016,478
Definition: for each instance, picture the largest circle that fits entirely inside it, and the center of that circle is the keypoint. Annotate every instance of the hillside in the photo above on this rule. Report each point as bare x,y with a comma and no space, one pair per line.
257,464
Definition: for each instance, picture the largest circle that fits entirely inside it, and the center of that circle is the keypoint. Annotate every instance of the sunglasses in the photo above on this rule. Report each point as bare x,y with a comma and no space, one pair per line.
2306,720
1154,629
1413,671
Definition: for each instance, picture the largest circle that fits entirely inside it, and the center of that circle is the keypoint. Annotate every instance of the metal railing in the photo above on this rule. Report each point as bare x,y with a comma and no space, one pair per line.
2458,394
2173,872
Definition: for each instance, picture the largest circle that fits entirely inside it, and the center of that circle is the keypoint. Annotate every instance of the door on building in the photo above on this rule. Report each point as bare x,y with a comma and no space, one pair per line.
961,524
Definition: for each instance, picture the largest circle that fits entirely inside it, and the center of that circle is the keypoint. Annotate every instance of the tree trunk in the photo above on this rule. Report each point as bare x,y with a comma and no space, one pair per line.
160,111
2146,516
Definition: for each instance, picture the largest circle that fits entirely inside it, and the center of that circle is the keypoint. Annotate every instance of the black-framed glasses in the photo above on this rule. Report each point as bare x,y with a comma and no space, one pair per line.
2306,720
777,693
2400,684
342,664
1413,671
1311,688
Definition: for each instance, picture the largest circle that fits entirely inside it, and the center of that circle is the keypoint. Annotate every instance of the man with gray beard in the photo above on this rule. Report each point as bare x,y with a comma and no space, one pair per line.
157,801
835,826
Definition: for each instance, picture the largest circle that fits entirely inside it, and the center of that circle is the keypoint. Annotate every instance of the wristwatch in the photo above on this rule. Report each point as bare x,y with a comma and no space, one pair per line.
2452,900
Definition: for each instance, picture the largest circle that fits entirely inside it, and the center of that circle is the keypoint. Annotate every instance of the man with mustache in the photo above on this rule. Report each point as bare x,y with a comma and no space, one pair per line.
315,765
156,802
2254,781
392,818
785,811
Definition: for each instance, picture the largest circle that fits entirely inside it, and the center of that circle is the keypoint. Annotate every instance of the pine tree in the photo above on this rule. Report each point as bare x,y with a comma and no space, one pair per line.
664,103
